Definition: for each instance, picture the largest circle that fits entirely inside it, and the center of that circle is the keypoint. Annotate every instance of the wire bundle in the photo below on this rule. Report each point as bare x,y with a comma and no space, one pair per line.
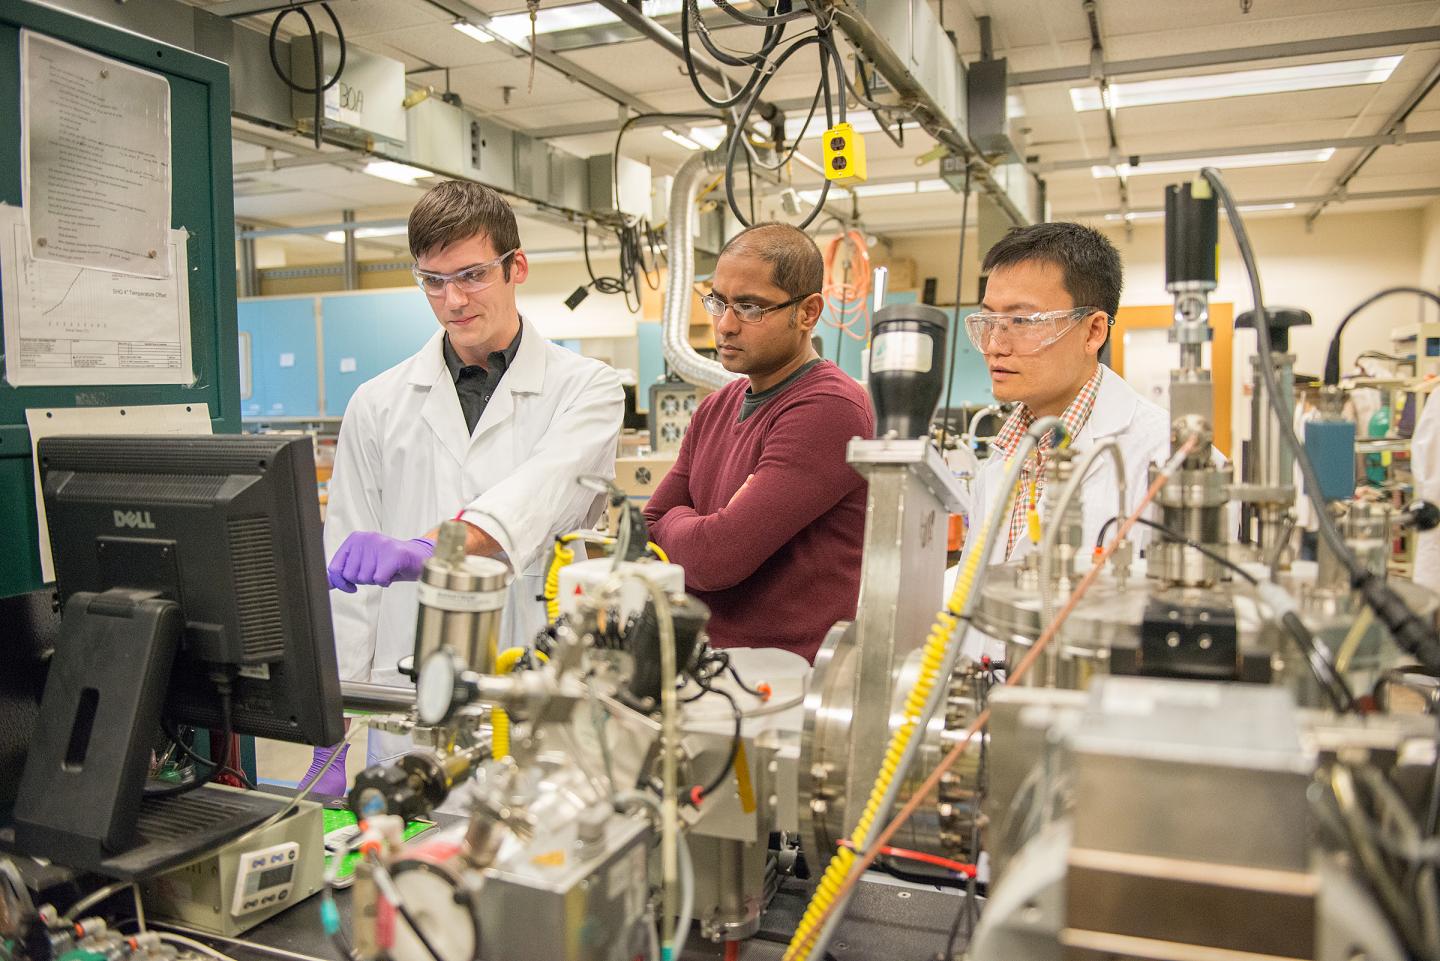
764,64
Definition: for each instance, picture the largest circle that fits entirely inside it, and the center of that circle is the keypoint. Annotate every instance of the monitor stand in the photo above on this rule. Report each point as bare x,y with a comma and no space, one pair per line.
81,798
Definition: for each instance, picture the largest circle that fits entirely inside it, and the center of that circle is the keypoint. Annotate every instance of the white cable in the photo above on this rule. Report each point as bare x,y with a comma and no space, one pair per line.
194,945
94,898
687,868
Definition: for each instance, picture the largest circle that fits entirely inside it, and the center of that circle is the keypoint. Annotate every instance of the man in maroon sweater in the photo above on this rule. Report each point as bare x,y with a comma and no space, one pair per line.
761,508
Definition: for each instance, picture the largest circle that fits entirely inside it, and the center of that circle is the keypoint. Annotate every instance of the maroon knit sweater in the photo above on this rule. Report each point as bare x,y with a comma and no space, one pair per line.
781,563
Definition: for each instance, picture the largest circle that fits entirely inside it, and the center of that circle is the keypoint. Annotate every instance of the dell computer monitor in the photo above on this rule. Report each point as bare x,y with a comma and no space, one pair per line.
192,579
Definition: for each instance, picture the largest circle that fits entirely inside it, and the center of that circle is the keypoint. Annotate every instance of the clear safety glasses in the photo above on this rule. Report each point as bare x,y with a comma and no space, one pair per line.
471,280
748,313
1024,333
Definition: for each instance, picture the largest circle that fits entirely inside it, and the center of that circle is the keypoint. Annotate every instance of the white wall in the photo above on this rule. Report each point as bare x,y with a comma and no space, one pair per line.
1326,270
1430,246
542,300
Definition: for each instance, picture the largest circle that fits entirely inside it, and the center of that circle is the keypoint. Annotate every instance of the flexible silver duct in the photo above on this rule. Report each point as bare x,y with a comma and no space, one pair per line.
680,240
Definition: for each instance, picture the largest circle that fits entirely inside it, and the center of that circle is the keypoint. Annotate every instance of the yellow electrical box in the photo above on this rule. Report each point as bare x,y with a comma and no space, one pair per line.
844,155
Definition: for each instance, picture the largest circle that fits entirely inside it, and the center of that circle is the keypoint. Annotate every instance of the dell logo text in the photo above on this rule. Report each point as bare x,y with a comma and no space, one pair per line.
140,520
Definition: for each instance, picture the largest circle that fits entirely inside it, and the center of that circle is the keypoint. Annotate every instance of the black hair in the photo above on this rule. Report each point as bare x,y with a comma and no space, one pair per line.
1089,263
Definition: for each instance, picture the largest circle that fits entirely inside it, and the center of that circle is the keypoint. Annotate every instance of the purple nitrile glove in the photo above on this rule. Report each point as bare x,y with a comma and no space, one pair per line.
332,782
369,557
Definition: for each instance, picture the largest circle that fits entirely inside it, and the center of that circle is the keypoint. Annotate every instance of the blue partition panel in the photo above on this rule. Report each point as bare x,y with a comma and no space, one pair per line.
283,380
368,333
971,382
652,362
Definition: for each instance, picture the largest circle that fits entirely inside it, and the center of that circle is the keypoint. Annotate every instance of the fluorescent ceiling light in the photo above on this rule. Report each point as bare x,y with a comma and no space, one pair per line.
515,27
1156,214
1243,83
681,139
885,190
708,137
897,189
366,233
478,34
1279,158
398,172
813,196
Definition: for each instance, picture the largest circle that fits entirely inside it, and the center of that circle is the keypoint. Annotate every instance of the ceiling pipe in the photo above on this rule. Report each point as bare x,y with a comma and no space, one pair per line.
680,237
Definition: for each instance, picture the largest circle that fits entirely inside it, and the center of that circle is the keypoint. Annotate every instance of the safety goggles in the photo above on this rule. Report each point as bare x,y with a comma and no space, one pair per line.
471,280
748,313
1025,333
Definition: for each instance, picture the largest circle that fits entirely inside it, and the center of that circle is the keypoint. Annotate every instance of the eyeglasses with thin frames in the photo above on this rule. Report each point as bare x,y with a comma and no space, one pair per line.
747,313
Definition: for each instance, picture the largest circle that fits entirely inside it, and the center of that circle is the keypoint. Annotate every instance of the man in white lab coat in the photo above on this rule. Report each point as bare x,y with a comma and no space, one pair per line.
1050,300
488,422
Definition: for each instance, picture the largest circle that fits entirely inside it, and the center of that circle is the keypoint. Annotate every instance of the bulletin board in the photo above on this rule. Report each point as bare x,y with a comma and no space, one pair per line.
201,203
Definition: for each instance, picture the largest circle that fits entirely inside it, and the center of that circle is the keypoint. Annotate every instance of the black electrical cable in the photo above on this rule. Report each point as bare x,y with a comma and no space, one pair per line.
700,794
1329,679
404,910
1325,673
773,34
321,84
1413,635
193,755
860,98
631,121
765,21
1332,355
957,325
215,765
742,121
795,142
687,9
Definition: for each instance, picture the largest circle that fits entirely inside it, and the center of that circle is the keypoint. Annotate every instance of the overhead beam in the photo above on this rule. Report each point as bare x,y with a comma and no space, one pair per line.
230,9
1299,201
319,228
1339,143
1394,124
672,45
1215,58
461,10
603,126
304,160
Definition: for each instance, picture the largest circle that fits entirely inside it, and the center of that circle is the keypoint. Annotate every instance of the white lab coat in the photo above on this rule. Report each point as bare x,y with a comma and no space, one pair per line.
405,462
1142,429
1425,464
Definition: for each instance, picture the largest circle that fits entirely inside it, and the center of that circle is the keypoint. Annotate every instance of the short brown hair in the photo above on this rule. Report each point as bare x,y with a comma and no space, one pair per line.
796,266
456,210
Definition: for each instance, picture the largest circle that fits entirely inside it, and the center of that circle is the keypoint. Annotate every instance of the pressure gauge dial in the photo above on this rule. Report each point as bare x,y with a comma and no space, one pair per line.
441,689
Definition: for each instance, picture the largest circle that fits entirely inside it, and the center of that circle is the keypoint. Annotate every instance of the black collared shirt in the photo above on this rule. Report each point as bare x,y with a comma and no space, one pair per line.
475,385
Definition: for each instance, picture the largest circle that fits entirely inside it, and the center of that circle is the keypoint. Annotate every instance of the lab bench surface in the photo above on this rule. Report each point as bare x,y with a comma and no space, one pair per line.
885,920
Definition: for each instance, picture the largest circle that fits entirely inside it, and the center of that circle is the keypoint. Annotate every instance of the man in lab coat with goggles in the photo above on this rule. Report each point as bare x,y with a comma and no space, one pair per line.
1050,301
488,422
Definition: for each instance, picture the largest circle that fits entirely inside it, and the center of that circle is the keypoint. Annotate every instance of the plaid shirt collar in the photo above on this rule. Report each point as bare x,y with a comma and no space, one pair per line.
1074,417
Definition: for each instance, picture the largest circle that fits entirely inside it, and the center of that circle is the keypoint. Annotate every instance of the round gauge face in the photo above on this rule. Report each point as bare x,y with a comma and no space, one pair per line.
435,688
443,914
